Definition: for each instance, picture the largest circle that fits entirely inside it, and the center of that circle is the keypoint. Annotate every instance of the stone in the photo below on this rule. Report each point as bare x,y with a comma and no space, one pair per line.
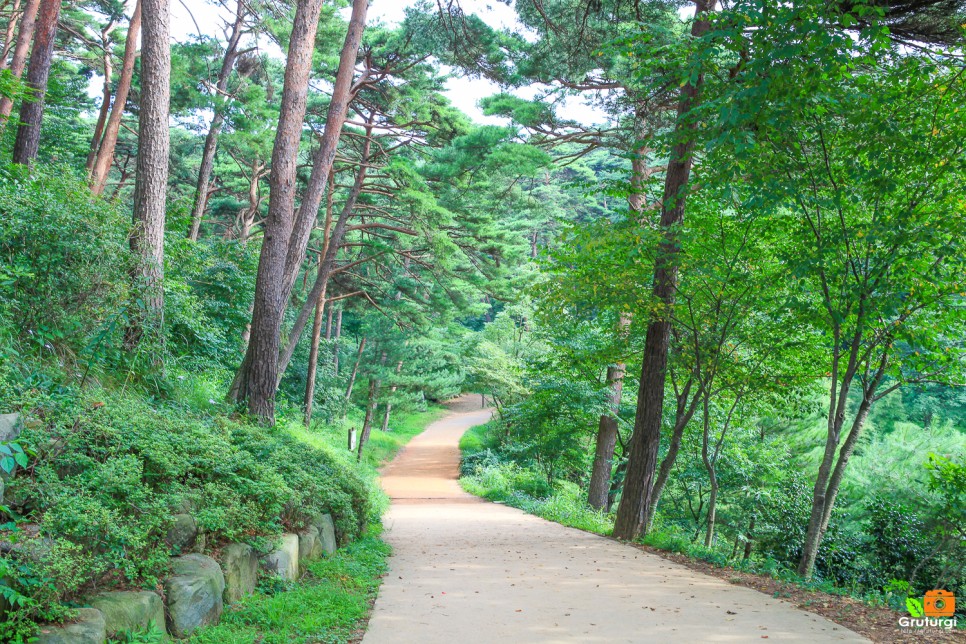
284,561
240,565
310,545
194,593
182,534
326,527
87,628
10,427
126,610
327,534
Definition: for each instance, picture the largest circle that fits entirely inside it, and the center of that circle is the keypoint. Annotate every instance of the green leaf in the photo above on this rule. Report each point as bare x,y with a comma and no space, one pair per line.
914,606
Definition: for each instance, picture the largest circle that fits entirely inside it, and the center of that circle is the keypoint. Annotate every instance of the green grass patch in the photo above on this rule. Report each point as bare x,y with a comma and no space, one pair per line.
327,605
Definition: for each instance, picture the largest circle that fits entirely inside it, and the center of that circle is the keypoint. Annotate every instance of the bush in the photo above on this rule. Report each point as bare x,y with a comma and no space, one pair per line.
107,479
63,255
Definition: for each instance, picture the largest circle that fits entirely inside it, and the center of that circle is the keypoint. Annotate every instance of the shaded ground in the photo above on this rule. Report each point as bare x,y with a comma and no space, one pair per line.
466,570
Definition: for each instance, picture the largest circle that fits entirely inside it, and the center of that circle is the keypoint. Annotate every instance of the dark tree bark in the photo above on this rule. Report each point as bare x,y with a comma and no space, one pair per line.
32,110
286,232
317,324
151,180
642,461
105,153
18,63
211,140
373,402
335,345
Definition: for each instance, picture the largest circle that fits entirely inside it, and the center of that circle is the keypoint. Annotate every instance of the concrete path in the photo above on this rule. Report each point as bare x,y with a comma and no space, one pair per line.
465,571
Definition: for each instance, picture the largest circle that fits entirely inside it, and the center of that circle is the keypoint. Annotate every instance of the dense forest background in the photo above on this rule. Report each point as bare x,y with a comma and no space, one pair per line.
728,318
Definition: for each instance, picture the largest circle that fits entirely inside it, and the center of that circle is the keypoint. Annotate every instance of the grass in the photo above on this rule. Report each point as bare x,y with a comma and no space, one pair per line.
332,600
328,604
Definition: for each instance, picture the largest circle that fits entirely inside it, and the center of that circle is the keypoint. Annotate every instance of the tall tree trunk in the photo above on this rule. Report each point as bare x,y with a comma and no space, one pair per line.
105,153
151,180
642,461
392,390
335,345
332,245
371,405
18,63
606,442
709,466
352,378
317,324
108,63
211,140
32,109
8,36
287,233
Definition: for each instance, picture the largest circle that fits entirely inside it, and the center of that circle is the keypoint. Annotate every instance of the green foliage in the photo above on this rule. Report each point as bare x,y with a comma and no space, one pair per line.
63,255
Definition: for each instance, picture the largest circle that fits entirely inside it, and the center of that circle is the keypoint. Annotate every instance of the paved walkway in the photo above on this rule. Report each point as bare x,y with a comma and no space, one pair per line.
465,571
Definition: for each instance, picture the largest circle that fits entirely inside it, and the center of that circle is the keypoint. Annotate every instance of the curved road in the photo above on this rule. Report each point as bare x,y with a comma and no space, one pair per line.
468,571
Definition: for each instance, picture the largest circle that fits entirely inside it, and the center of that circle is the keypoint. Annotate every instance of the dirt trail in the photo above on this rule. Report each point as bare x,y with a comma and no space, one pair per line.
469,571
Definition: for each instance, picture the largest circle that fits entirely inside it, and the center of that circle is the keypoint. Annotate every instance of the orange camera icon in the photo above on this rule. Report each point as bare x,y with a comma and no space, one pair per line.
939,603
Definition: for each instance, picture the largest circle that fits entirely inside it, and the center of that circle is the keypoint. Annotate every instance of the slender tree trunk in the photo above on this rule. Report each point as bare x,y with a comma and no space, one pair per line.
32,109
642,461
352,378
709,465
8,37
333,243
667,464
748,542
317,324
335,346
606,442
286,232
328,323
371,405
18,63
827,486
105,102
392,390
211,140
151,180
105,153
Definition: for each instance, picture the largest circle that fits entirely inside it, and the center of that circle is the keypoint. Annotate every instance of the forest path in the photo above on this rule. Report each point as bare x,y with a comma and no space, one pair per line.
465,570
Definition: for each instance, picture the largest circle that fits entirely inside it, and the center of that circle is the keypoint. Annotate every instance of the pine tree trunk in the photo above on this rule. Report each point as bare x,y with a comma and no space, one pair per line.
642,461
211,140
335,345
352,378
286,232
256,378
26,146
392,390
18,63
105,103
709,466
105,153
151,179
606,442
8,36
370,411
317,323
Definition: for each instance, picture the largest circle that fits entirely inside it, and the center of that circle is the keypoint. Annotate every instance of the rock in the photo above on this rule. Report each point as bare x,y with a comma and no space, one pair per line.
326,527
284,561
194,593
310,545
327,534
88,628
130,611
182,534
10,427
240,565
